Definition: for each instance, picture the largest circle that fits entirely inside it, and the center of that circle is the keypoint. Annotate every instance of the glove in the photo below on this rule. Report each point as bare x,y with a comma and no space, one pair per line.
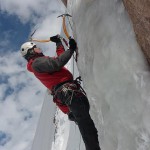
71,116
55,39
73,44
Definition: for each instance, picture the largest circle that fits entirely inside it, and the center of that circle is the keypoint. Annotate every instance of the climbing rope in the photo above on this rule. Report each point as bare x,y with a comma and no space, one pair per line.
75,56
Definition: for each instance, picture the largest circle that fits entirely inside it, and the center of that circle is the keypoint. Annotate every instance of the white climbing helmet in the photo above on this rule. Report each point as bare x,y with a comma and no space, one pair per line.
25,47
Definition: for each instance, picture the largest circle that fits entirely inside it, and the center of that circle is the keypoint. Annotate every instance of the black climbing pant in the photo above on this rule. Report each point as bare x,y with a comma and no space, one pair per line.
78,104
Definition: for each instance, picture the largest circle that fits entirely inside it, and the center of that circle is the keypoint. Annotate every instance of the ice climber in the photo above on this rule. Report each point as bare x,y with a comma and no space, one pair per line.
67,93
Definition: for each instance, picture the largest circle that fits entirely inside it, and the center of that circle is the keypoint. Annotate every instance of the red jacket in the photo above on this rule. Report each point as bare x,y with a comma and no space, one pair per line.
50,79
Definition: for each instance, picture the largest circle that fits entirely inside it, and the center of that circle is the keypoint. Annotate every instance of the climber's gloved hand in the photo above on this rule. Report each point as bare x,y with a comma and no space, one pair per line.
71,116
55,39
72,44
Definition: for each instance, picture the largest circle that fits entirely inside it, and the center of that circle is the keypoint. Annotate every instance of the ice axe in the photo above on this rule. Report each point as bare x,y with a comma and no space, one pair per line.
48,40
30,38
64,24
64,15
66,32
35,40
43,41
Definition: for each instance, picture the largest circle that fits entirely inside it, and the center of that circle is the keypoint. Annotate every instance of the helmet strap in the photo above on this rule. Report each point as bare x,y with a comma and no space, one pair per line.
31,55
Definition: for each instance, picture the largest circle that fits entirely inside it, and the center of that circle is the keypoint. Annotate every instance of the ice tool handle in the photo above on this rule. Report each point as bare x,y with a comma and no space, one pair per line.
35,40
66,32
64,24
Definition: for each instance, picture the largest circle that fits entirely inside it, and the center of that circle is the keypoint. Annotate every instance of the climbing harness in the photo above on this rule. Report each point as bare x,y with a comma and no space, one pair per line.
67,90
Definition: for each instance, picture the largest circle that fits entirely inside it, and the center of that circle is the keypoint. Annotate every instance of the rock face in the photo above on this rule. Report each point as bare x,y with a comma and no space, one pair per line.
139,12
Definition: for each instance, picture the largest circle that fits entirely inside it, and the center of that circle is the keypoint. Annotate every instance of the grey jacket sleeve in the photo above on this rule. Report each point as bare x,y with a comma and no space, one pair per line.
49,64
